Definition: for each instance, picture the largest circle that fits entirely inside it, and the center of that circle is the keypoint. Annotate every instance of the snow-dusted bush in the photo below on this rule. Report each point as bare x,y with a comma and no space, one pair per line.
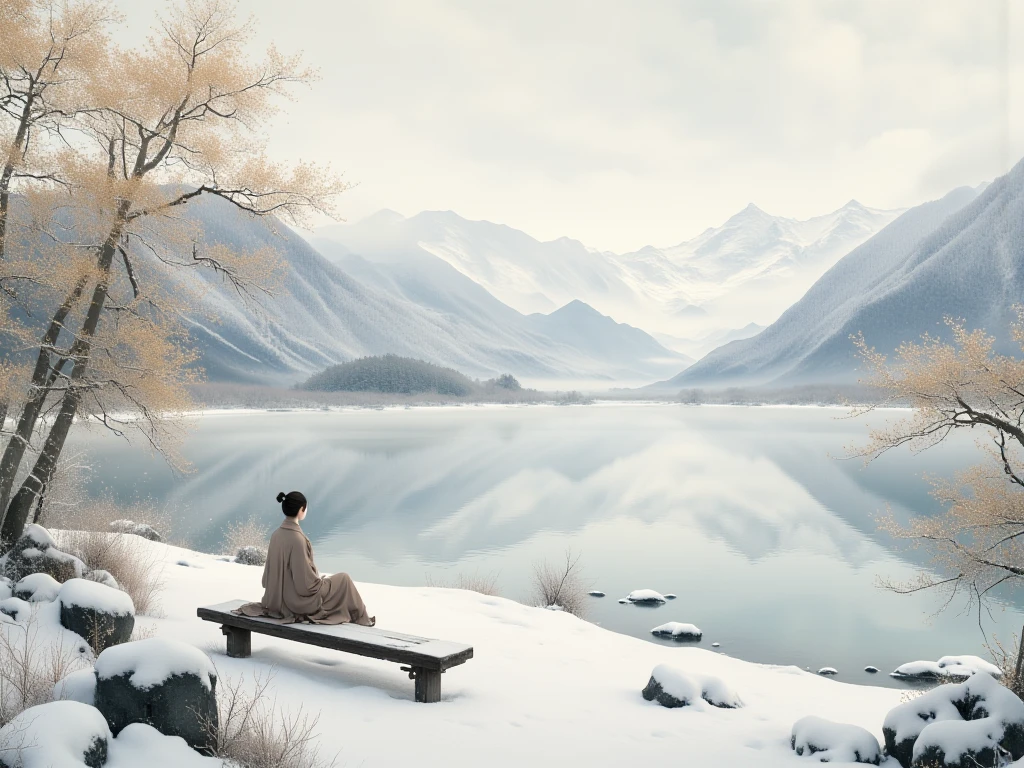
956,724
57,734
485,584
678,630
251,532
829,742
672,687
250,555
560,585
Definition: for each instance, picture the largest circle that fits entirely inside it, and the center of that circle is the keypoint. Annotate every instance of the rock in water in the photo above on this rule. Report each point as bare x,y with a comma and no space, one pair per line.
60,733
670,596
871,670
596,593
716,645
828,671
251,556
678,631
167,684
957,726
36,552
645,597
103,616
829,742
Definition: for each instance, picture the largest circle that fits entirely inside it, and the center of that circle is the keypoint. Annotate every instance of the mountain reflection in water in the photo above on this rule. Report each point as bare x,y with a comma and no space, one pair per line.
771,543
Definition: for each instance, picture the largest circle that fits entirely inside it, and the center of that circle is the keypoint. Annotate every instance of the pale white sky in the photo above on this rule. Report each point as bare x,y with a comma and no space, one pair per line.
623,124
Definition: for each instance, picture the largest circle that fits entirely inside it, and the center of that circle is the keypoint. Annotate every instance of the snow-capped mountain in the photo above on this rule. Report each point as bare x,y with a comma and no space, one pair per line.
746,271
417,306
960,256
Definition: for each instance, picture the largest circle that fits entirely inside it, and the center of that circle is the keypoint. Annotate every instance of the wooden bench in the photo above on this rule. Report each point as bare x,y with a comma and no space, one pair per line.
426,659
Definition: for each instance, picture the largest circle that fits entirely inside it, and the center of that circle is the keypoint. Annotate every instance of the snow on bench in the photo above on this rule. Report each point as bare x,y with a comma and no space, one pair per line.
426,658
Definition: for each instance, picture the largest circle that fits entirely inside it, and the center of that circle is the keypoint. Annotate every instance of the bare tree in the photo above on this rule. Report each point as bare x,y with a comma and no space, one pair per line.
163,126
978,543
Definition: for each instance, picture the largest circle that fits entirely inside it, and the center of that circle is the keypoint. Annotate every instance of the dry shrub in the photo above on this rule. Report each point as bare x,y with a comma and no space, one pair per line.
31,667
253,732
96,515
246,533
134,563
1007,657
485,584
561,584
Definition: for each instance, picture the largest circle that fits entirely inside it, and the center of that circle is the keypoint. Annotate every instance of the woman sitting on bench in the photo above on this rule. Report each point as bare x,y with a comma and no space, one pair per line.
294,590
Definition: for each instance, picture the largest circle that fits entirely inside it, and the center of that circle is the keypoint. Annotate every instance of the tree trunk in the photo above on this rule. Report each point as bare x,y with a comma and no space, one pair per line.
42,473
38,390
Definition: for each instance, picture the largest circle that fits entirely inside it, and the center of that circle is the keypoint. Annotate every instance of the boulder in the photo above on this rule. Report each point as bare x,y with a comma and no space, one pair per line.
60,733
138,529
957,725
37,552
829,742
596,593
78,686
952,667
677,630
828,671
674,688
167,684
251,556
37,588
103,616
15,608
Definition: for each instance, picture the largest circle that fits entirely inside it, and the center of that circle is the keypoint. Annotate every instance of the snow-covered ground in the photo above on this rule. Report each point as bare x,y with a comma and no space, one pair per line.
544,687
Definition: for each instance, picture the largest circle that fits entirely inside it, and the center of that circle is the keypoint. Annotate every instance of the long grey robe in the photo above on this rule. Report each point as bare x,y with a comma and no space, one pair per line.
295,591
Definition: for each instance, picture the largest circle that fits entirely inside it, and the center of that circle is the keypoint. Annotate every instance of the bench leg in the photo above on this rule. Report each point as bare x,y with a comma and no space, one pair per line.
239,642
428,685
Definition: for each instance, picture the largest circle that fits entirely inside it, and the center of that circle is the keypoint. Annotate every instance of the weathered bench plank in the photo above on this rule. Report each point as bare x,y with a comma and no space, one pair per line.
426,658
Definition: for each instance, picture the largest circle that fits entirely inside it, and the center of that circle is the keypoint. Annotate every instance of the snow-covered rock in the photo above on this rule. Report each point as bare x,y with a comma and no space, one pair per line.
871,670
678,630
828,671
957,667
141,746
37,552
102,615
78,686
672,687
669,596
954,724
829,742
37,588
60,734
139,529
14,608
251,556
165,683
645,597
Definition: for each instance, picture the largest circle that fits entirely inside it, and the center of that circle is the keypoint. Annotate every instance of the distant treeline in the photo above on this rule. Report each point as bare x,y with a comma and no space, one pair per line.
394,375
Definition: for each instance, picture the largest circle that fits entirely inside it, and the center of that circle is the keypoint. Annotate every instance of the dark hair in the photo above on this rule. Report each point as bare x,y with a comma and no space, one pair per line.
291,503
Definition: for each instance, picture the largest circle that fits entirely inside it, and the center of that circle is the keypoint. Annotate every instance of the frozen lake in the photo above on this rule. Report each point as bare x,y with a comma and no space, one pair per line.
770,543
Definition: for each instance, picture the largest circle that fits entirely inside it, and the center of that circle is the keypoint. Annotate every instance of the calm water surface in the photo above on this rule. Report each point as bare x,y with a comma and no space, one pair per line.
771,544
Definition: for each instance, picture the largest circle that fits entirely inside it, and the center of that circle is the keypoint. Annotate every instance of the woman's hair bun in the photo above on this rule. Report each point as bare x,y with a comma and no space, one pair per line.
280,498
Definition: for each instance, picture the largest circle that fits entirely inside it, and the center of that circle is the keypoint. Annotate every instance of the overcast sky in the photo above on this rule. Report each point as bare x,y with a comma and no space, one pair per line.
623,123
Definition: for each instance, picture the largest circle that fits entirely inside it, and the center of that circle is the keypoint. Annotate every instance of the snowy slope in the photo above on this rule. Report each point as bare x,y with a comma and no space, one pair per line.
746,271
958,256
419,307
543,687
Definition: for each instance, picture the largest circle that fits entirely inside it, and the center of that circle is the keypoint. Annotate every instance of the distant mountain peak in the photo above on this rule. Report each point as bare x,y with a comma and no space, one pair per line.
383,216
